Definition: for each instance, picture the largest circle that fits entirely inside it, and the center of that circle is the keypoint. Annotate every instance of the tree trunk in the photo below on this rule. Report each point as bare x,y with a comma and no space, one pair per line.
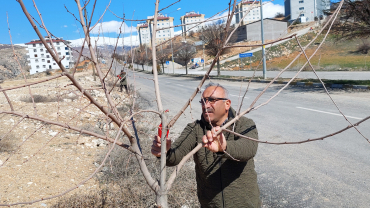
94,75
142,65
186,66
218,67
163,67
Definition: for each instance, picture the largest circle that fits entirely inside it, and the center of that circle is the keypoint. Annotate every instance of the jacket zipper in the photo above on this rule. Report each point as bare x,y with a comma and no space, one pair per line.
222,188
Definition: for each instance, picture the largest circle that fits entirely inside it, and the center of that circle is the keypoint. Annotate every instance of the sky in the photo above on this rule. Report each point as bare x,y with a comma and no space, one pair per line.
64,25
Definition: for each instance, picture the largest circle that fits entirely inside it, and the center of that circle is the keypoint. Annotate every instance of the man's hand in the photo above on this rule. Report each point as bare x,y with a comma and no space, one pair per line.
156,147
214,143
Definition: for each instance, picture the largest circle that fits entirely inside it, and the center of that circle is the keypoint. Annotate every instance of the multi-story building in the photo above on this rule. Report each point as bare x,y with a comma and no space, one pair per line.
145,30
40,60
241,12
306,10
144,33
191,19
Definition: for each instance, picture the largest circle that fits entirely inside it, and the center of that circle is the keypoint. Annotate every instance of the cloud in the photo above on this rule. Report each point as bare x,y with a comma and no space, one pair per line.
112,27
127,41
65,26
270,10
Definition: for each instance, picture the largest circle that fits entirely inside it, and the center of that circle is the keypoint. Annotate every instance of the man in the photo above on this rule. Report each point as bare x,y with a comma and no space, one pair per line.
221,180
123,81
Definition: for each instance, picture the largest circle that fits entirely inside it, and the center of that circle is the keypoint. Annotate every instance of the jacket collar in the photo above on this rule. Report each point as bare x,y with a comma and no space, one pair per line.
229,117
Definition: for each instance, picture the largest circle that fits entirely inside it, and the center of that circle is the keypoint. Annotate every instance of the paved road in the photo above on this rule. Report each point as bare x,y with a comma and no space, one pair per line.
330,173
332,75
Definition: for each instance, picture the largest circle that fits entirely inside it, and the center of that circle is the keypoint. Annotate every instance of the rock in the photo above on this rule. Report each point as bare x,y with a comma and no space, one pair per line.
52,133
83,140
99,142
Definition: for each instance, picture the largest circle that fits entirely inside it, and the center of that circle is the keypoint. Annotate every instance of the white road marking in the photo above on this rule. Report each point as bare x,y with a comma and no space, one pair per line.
237,96
335,114
180,85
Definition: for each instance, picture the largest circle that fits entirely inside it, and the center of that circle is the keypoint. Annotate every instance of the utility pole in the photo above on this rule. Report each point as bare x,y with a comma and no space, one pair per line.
204,61
263,42
173,65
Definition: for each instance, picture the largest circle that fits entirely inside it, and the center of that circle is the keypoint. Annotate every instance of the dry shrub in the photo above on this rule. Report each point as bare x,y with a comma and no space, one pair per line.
363,48
47,99
8,144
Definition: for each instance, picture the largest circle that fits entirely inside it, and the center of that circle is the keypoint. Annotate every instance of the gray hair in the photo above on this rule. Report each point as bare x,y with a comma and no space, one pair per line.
211,84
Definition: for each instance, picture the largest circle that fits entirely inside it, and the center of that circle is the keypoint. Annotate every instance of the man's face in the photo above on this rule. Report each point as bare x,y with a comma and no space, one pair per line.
216,112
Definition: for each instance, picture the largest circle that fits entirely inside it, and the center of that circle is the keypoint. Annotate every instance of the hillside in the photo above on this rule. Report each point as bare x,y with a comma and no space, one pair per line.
333,56
9,68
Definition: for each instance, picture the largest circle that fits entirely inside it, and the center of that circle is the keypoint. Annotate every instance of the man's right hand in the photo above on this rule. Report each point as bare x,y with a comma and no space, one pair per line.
156,147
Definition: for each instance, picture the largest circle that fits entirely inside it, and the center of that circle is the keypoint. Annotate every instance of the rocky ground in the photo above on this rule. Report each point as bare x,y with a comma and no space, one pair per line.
39,160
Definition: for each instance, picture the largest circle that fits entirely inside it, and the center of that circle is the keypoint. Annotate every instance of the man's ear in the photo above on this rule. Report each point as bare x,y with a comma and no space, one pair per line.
227,104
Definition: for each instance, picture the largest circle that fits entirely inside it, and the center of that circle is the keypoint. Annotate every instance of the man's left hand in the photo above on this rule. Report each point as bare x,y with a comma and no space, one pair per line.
214,143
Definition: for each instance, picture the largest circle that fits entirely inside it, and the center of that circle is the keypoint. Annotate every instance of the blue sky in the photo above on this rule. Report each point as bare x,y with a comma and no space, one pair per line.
63,24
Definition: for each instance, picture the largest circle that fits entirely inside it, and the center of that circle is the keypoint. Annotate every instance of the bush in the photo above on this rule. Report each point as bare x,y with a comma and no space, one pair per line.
363,48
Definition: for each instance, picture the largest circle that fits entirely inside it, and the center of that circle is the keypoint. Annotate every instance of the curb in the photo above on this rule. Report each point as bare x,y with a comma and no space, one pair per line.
293,84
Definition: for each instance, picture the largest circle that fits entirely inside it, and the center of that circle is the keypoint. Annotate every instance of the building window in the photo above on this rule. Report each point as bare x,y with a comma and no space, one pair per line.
58,48
37,66
59,53
48,61
302,15
67,53
34,50
301,2
66,48
53,63
58,43
36,60
34,45
43,60
67,58
43,66
41,50
42,55
47,56
40,44
301,8
35,55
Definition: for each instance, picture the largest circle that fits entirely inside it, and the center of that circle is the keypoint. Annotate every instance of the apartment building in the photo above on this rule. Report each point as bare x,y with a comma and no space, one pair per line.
40,60
306,10
192,19
144,33
241,12
145,30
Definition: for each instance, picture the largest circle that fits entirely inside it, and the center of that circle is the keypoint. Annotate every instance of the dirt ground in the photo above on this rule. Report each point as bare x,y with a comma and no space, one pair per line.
38,160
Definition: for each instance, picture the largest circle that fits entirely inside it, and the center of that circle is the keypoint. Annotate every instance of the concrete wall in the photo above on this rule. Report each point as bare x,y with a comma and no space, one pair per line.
272,30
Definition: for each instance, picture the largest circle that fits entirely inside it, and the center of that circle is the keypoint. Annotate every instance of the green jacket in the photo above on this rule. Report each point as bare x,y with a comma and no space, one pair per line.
221,181
123,78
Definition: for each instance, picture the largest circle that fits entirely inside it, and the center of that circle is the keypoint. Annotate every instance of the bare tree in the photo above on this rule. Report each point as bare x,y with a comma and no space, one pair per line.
279,15
213,37
184,53
163,55
140,57
354,21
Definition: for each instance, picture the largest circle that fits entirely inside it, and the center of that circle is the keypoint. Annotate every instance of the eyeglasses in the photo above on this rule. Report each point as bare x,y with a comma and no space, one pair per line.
211,100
